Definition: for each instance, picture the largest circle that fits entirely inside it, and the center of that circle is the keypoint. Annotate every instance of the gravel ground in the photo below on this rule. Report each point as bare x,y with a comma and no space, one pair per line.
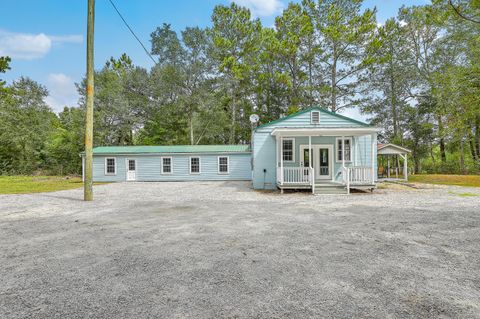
222,250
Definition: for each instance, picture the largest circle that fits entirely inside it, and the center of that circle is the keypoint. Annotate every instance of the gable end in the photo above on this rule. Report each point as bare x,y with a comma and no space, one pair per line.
311,122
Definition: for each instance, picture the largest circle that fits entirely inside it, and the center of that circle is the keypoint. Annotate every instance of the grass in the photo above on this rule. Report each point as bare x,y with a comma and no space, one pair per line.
464,194
458,180
37,184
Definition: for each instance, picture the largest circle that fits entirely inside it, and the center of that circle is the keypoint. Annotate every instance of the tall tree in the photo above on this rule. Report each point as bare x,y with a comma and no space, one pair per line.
346,36
236,39
390,81
186,87
166,45
296,51
26,122
456,83
120,101
468,10
423,34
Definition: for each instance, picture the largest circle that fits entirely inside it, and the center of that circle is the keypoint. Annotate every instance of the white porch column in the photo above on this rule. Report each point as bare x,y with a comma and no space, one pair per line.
309,152
277,152
405,167
373,157
343,151
281,160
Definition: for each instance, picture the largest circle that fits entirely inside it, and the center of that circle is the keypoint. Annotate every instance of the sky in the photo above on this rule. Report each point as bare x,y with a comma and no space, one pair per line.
47,39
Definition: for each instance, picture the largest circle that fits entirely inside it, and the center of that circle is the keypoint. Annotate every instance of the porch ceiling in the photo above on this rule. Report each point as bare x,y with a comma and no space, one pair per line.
337,131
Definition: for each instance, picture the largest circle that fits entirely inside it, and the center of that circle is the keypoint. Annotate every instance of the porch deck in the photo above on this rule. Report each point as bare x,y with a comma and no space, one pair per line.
354,177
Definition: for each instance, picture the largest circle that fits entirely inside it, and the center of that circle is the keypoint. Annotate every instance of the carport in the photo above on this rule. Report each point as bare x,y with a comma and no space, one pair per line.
389,158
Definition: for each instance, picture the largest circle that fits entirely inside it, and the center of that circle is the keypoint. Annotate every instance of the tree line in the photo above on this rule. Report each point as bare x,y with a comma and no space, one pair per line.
416,76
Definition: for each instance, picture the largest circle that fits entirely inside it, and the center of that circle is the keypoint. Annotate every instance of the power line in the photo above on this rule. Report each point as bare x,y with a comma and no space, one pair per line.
131,31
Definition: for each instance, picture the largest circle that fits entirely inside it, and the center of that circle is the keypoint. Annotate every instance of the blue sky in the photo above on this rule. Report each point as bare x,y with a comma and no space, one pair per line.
46,39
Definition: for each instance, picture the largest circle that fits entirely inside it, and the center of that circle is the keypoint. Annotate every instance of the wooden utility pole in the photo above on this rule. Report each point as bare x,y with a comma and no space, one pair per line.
88,171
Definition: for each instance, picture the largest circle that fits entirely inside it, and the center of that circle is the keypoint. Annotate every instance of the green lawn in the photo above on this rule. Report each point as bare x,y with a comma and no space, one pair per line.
459,180
37,184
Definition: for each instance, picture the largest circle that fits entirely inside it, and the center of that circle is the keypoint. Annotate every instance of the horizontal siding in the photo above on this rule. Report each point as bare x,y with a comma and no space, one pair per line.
149,168
264,147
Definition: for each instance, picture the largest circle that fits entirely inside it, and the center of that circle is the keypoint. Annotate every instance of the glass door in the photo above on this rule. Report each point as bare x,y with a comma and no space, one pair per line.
323,163
306,161
306,157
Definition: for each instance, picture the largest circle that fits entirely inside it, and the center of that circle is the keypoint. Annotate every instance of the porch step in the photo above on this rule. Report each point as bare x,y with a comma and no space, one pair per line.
329,189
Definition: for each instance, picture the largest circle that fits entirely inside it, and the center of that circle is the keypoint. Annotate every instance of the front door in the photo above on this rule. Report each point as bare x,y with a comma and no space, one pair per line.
323,168
321,160
131,169
305,160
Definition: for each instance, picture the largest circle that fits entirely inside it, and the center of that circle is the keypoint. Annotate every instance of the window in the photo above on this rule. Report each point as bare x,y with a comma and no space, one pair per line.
166,165
194,165
288,149
315,117
110,166
223,164
131,165
348,149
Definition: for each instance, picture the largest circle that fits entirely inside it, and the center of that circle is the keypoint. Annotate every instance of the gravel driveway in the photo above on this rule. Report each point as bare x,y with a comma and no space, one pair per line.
222,250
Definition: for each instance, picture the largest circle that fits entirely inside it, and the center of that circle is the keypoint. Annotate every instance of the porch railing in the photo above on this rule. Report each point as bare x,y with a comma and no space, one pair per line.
295,175
360,175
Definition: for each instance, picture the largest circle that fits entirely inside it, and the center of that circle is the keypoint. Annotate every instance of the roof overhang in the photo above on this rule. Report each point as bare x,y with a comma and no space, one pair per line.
391,149
337,131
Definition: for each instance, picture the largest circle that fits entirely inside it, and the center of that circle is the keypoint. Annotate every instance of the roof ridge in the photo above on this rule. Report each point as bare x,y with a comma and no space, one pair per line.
184,149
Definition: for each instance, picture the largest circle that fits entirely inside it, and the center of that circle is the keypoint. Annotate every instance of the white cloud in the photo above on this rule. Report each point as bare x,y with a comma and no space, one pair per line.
73,38
261,8
25,46
355,114
62,91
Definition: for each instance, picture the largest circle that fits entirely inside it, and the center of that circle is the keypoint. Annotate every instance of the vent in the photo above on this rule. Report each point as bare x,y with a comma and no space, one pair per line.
315,117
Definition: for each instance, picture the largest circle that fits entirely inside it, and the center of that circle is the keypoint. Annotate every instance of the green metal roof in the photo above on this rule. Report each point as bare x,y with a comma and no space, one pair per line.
321,109
171,149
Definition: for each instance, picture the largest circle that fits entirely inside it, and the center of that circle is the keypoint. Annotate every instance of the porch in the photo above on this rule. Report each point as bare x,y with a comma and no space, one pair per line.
325,160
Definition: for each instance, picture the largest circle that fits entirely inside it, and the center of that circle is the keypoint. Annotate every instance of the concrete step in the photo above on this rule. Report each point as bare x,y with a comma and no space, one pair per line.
330,189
